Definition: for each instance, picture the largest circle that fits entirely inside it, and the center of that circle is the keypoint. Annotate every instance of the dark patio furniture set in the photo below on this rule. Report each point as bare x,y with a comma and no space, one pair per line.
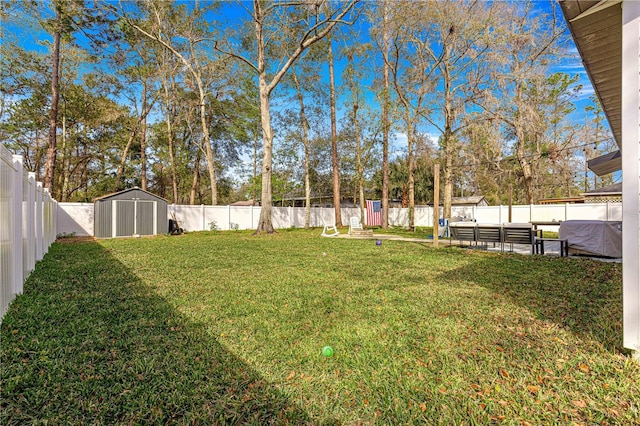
508,233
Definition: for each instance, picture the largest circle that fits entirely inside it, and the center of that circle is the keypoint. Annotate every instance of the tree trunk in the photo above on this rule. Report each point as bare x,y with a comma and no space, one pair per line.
447,175
196,179
84,174
123,159
255,167
143,140
411,161
207,143
305,142
65,161
449,150
264,222
127,148
334,137
521,155
359,165
172,155
50,164
385,119
525,164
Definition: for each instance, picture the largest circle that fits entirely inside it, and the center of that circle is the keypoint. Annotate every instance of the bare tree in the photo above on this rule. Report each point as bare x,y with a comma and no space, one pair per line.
157,32
318,23
411,75
335,167
524,52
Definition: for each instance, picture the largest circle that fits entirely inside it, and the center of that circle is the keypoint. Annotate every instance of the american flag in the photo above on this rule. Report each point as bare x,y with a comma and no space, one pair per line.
374,213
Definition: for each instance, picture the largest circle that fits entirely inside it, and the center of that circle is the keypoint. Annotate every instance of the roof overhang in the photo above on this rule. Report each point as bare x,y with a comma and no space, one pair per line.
605,164
596,27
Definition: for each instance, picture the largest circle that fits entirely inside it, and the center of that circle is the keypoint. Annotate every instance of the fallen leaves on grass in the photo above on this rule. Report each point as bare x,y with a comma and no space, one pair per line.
533,389
579,403
583,367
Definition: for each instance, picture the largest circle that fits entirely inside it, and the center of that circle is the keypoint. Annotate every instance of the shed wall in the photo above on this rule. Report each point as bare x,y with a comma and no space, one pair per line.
130,218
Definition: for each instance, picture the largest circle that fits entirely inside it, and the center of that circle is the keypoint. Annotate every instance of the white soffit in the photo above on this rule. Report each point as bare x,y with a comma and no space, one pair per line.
596,27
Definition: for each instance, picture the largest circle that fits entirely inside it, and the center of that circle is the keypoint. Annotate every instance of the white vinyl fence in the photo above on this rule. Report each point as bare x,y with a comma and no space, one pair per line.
27,225
77,218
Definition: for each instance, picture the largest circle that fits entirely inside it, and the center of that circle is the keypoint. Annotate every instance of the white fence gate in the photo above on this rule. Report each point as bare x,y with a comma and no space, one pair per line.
28,218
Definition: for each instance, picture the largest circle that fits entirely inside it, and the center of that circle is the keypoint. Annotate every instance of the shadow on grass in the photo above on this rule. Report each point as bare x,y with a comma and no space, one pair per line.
581,295
89,343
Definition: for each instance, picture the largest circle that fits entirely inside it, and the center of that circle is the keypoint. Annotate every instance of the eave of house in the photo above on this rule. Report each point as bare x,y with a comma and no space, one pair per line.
596,27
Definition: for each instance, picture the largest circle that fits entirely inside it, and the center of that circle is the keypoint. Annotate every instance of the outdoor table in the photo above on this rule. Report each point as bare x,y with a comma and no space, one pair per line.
545,223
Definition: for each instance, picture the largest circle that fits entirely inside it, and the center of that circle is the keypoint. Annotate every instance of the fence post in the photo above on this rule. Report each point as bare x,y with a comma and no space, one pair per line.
203,217
31,219
46,222
55,220
18,267
38,222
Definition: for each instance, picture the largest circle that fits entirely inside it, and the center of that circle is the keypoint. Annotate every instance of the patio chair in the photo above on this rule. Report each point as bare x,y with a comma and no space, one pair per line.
487,233
518,233
354,224
463,231
329,229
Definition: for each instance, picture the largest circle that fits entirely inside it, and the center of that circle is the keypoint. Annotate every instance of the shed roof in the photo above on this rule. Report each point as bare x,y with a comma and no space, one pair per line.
135,188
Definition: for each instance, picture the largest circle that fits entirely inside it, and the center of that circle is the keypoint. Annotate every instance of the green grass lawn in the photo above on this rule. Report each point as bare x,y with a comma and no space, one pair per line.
228,328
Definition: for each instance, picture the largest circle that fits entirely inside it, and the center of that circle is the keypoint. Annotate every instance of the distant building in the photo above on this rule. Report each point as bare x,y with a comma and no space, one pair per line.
606,194
245,203
564,200
316,201
476,200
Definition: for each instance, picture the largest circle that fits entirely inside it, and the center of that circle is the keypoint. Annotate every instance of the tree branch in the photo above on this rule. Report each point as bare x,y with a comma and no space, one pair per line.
237,56
306,42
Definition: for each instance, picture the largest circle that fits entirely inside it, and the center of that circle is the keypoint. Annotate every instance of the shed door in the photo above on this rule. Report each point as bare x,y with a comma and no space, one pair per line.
133,217
145,218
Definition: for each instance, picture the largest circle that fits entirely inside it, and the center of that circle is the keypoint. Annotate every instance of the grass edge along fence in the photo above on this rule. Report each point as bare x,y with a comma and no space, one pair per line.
28,221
